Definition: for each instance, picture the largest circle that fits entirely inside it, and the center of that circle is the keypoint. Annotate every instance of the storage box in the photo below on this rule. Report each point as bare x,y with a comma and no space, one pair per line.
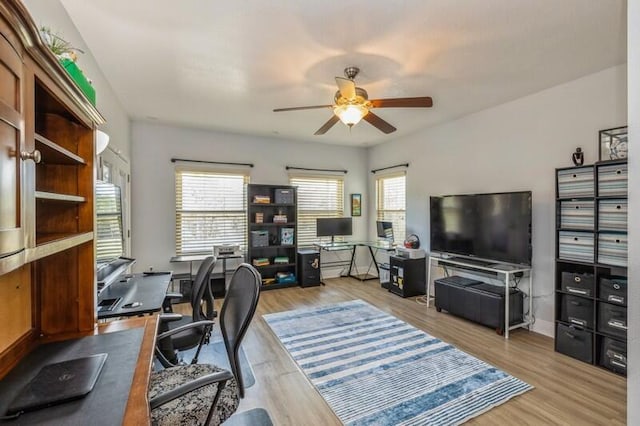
577,311
612,180
576,246
284,196
287,236
613,290
612,249
612,319
259,238
613,355
577,215
579,284
576,182
574,342
612,215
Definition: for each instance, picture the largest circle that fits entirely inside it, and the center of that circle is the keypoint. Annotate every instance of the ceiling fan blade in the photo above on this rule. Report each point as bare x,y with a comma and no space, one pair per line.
379,123
326,126
347,87
301,108
421,102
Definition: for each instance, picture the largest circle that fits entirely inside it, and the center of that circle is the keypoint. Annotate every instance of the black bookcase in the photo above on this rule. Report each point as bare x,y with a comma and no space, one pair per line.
272,233
591,264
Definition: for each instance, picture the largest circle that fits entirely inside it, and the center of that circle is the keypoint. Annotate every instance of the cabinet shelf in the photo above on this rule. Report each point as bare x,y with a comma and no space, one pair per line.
273,247
277,285
51,243
272,204
52,196
52,153
275,266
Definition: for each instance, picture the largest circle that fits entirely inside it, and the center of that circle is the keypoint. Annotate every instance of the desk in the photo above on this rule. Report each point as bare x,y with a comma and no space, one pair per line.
147,289
373,246
200,257
120,394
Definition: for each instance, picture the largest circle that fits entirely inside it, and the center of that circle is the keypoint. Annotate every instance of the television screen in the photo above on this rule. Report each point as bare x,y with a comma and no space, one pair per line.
384,229
487,226
332,226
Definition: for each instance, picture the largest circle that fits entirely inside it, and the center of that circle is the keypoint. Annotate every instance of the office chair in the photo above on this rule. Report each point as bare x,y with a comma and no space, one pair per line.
184,336
171,391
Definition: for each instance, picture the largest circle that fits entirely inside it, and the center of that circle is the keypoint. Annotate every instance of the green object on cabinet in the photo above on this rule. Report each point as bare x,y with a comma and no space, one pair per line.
82,82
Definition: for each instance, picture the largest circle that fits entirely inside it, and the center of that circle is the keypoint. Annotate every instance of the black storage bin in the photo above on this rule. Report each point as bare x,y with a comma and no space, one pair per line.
577,310
308,268
284,196
613,355
613,290
450,294
575,342
580,284
612,319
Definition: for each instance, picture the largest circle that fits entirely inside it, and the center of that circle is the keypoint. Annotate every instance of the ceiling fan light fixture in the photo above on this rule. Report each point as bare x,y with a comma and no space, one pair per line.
350,114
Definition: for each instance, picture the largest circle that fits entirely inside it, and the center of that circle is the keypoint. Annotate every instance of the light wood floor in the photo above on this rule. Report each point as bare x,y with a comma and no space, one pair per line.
567,392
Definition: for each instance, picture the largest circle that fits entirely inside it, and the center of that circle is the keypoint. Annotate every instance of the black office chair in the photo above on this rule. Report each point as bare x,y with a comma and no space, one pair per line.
171,391
184,336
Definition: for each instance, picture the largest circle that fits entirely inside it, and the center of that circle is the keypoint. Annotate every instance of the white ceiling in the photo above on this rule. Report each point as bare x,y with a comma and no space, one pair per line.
225,65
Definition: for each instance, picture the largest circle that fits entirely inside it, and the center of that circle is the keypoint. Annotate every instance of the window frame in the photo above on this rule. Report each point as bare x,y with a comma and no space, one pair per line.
398,217
234,215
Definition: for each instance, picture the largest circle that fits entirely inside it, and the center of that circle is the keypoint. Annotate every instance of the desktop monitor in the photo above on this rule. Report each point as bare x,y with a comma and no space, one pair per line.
333,226
385,230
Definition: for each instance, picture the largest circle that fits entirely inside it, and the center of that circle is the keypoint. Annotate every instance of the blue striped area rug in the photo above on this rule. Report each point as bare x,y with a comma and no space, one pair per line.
374,369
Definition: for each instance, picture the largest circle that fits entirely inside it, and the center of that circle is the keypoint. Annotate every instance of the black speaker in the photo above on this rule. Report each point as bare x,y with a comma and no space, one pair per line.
308,268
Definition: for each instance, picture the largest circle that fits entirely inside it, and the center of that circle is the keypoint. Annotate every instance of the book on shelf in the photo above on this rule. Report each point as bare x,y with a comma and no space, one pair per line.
260,261
259,217
280,260
267,281
286,236
261,199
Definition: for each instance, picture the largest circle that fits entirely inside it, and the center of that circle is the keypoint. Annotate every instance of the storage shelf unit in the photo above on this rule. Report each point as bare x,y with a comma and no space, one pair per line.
271,222
591,264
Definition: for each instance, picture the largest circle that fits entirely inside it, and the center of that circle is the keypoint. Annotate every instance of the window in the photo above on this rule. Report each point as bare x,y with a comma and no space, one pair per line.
391,202
211,209
109,234
318,196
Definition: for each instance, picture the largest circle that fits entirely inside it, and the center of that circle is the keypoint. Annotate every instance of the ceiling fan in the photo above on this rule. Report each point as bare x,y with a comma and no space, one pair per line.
352,104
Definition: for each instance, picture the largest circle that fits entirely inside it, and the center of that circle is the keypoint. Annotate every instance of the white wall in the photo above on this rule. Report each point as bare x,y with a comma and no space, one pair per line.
512,147
633,57
153,218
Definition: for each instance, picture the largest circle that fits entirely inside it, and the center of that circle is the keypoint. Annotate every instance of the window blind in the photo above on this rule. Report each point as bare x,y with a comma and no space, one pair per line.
211,209
391,202
318,197
109,234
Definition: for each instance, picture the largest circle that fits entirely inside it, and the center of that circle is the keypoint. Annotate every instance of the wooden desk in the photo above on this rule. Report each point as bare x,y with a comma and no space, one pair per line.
120,395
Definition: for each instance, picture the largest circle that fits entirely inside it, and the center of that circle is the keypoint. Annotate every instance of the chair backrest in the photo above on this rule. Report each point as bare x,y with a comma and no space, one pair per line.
201,289
240,302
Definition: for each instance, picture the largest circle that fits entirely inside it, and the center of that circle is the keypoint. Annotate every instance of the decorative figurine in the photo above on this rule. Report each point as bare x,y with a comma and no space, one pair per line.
578,157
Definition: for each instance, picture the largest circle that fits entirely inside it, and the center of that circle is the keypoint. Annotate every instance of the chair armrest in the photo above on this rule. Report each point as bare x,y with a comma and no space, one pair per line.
173,296
203,323
169,317
220,377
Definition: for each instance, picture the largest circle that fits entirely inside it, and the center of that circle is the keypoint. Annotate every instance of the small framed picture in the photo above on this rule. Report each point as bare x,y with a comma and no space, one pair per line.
613,144
356,204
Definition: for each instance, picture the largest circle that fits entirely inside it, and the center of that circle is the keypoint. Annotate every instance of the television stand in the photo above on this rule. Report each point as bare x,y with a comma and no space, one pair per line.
503,272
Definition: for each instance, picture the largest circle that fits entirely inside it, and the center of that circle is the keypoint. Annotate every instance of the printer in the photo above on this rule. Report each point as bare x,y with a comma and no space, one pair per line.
409,253
226,250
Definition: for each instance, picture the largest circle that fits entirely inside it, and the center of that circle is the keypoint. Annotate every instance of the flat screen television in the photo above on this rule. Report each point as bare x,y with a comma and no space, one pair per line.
384,230
494,227
333,226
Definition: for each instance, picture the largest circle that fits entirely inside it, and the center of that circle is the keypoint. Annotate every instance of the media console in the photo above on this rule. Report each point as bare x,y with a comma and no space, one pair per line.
508,274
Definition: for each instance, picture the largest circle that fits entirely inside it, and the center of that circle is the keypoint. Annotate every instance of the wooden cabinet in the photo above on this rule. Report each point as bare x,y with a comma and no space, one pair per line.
272,211
591,264
11,137
47,131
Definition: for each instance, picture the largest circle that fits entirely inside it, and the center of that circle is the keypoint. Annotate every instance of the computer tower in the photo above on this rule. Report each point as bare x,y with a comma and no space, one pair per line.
308,268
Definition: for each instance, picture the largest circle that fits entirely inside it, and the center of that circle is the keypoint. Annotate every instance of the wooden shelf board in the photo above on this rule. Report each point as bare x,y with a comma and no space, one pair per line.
275,265
277,285
48,244
258,225
55,154
52,196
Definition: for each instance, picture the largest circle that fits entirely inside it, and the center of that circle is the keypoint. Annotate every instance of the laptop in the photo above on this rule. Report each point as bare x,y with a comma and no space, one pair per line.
59,382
